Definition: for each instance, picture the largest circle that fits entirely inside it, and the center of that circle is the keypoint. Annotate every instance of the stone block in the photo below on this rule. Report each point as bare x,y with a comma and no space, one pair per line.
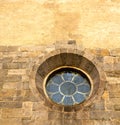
42,122
3,48
12,65
12,48
82,115
99,105
13,78
113,74
12,85
12,113
27,109
117,107
100,115
13,55
108,67
10,104
6,60
37,106
113,80
11,121
87,122
28,96
114,94
7,95
21,60
116,66
115,115
113,88
71,122
55,115
17,72
58,122
104,115
3,74
41,115
108,59
114,101
103,122
26,85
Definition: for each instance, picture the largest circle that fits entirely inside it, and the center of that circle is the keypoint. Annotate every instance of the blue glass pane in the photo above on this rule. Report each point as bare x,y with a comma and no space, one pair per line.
57,97
68,76
84,88
52,88
78,79
68,101
79,97
57,79
68,88
64,87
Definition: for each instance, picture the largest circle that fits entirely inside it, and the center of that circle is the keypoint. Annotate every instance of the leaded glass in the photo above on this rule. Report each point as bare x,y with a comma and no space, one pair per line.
68,87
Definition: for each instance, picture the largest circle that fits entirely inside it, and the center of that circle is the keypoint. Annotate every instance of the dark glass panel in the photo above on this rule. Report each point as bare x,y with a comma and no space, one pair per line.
79,97
84,88
68,101
68,88
57,97
52,88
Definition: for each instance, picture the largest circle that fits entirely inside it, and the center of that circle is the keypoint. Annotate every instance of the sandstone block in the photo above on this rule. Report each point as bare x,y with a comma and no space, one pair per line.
41,115
55,115
7,60
12,113
3,48
115,86
12,48
58,122
17,72
100,115
11,121
12,65
27,109
12,85
104,115
117,107
10,104
82,115
86,122
13,78
100,105
26,85
114,94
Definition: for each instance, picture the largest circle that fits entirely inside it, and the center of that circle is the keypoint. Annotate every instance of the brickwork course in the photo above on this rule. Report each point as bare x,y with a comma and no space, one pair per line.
31,31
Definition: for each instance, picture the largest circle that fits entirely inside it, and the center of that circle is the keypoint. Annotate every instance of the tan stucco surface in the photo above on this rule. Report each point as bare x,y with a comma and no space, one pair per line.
92,23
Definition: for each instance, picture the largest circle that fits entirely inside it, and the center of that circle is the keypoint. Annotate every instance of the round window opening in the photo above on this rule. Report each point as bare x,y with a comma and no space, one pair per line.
68,86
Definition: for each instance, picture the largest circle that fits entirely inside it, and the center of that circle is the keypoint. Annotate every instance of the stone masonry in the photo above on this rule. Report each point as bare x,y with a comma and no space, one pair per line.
20,106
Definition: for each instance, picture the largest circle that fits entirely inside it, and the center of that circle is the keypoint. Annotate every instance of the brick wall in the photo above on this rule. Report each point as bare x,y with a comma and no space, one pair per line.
19,105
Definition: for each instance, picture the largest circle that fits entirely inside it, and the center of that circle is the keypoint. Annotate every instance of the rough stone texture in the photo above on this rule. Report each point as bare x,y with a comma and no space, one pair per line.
33,30
19,104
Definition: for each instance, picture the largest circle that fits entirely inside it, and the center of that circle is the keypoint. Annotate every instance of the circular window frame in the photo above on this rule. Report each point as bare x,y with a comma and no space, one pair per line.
67,67
83,60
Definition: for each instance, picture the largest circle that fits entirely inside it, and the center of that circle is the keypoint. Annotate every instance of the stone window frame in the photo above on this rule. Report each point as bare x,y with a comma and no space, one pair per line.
83,59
